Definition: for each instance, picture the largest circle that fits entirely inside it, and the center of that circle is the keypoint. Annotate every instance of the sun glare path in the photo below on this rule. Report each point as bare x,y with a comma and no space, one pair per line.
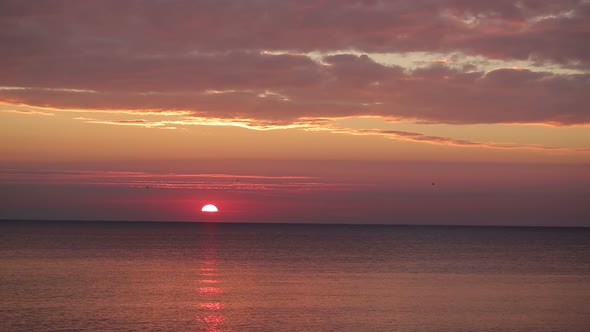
210,299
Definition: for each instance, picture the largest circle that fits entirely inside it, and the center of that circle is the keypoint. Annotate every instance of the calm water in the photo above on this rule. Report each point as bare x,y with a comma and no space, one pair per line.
250,277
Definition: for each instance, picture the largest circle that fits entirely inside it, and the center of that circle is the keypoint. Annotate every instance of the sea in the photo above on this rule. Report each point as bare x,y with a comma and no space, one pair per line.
148,276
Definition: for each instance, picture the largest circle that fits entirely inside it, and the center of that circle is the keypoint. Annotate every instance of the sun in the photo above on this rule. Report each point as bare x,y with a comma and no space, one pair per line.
209,208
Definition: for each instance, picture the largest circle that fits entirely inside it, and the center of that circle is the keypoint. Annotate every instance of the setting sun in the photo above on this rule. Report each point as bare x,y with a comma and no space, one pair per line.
209,208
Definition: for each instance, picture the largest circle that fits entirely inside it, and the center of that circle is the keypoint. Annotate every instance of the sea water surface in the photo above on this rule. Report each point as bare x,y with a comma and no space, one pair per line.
101,276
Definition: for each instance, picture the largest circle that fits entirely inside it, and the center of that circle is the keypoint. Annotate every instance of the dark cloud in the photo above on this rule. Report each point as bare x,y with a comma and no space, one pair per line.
236,70
256,87
549,29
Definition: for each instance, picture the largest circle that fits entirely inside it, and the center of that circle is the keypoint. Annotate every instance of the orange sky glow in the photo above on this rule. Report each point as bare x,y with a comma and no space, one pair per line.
353,112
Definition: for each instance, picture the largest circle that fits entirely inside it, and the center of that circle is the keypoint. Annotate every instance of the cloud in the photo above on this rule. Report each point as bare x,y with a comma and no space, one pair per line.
329,126
253,124
430,139
184,181
28,112
133,123
253,61
339,85
546,29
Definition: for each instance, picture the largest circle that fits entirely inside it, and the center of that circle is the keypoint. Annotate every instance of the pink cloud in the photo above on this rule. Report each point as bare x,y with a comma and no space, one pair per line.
553,30
345,85
431,139
219,59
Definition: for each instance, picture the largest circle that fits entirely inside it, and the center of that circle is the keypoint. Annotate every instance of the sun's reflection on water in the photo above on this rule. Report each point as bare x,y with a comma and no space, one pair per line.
210,304
209,281
210,290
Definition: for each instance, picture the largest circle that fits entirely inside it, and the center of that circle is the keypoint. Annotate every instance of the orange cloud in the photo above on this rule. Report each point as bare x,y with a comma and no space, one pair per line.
28,112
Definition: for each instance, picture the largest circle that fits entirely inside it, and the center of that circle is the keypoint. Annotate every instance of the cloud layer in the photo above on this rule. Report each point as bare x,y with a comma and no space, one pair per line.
226,59
548,29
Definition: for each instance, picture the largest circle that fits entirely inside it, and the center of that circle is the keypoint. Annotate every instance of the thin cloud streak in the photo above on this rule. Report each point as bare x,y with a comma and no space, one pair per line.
146,180
77,174
325,124
252,124
133,123
28,112
438,140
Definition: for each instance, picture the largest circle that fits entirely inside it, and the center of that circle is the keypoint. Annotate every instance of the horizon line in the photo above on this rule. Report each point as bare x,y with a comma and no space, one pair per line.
280,223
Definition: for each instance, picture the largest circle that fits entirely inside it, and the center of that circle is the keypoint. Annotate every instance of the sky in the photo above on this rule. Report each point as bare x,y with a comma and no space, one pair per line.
438,112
